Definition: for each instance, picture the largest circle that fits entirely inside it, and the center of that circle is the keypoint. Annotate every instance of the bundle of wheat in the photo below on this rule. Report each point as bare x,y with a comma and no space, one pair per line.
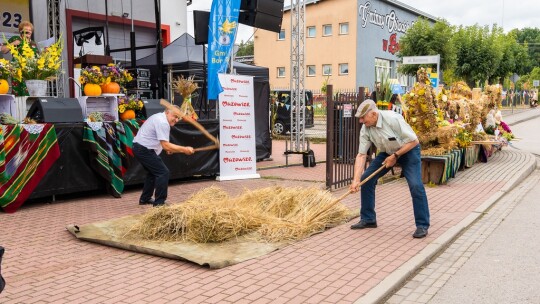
270,214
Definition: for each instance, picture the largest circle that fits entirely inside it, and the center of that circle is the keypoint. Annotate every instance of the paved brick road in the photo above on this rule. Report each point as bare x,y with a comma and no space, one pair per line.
45,264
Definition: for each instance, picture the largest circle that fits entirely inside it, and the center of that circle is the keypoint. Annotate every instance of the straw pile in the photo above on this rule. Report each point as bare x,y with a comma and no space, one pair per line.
273,214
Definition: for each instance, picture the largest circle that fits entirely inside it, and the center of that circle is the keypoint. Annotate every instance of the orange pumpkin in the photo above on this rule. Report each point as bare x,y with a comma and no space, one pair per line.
91,89
127,115
4,86
110,88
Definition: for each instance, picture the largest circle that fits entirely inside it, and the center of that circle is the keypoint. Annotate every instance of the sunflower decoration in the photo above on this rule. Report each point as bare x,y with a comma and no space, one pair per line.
129,103
92,75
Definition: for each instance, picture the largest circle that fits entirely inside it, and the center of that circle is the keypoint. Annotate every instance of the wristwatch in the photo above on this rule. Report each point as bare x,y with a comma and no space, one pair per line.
396,155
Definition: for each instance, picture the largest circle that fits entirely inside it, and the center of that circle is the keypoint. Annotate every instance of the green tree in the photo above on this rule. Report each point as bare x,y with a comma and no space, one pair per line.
245,49
515,58
479,54
423,39
530,38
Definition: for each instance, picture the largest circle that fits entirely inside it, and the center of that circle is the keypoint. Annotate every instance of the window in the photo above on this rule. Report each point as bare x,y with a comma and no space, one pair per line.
343,69
311,31
327,69
311,70
281,35
281,72
327,30
344,28
382,69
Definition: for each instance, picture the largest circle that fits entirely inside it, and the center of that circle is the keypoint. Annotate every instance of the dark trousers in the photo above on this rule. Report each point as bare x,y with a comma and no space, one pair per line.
411,168
157,177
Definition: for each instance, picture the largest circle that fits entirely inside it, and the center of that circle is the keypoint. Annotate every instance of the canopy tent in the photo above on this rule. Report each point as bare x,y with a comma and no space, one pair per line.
184,55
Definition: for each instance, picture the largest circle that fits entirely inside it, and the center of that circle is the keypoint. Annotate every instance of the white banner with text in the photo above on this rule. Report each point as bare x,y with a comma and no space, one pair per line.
237,152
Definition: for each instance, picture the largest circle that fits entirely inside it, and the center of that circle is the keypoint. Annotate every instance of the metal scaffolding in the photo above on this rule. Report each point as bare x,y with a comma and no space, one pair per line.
298,100
55,87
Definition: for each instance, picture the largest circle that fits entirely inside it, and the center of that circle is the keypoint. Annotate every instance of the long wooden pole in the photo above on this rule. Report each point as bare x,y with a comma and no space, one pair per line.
197,125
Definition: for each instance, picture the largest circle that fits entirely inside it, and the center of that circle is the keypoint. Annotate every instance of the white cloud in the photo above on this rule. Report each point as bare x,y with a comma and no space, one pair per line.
508,14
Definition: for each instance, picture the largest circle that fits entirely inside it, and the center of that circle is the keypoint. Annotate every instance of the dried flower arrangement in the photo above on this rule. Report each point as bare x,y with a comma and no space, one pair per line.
186,87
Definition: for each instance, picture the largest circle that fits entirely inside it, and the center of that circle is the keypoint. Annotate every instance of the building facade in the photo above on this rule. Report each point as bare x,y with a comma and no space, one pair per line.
349,43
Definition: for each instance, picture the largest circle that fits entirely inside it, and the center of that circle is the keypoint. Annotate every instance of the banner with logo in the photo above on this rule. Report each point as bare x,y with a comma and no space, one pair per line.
222,28
237,151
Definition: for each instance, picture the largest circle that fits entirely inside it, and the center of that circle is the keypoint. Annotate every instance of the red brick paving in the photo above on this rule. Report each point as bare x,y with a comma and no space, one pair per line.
43,263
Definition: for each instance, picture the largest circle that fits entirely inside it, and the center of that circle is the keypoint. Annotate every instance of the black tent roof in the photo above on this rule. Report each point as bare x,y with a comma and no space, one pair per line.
184,54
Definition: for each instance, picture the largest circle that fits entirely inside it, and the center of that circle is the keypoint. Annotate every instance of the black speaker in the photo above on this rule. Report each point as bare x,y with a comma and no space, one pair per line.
151,107
200,24
50,109
263,14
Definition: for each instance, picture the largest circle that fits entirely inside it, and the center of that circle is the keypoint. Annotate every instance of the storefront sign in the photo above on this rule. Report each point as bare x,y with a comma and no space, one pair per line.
390,20
237,151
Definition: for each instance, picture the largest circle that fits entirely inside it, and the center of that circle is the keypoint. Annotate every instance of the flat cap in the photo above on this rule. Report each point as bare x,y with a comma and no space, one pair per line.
366,106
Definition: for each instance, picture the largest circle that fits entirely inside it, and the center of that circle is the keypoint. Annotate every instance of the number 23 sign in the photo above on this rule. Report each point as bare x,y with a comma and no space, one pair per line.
12,13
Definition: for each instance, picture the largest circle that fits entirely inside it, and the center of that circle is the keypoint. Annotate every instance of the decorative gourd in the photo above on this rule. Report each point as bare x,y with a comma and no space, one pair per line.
127,115
110,88
91,89
4,86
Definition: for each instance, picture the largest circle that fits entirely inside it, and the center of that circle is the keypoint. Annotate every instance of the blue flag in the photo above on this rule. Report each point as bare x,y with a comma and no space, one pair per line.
223,25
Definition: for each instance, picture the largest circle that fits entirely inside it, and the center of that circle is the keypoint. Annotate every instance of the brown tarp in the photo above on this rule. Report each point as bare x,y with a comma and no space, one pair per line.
213,255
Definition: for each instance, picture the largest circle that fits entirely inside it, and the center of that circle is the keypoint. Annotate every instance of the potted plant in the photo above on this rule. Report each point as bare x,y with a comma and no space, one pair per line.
128,105
115,78
5,71
35,68
92,79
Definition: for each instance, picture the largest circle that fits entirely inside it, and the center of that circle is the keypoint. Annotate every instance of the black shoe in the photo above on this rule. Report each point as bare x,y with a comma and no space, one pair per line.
363,224
420,233
161,205
148,202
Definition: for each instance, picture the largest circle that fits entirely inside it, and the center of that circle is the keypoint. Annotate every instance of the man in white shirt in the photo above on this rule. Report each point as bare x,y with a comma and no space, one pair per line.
151,139
396,142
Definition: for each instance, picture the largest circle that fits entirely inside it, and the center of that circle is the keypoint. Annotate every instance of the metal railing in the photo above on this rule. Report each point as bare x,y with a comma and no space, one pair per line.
342,136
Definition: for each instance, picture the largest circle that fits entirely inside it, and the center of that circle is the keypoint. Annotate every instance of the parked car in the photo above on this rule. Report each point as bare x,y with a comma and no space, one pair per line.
282,122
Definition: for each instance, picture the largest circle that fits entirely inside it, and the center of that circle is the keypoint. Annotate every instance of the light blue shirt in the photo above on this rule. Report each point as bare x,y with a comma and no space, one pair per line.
388,135
155,129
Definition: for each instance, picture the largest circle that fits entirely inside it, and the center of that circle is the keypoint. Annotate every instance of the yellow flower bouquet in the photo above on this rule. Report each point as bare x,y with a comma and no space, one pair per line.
5,69
115,78
31,65
91,78
128,105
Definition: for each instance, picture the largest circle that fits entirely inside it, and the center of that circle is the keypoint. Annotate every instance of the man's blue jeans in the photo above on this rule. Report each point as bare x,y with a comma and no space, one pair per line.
411,166
157,177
